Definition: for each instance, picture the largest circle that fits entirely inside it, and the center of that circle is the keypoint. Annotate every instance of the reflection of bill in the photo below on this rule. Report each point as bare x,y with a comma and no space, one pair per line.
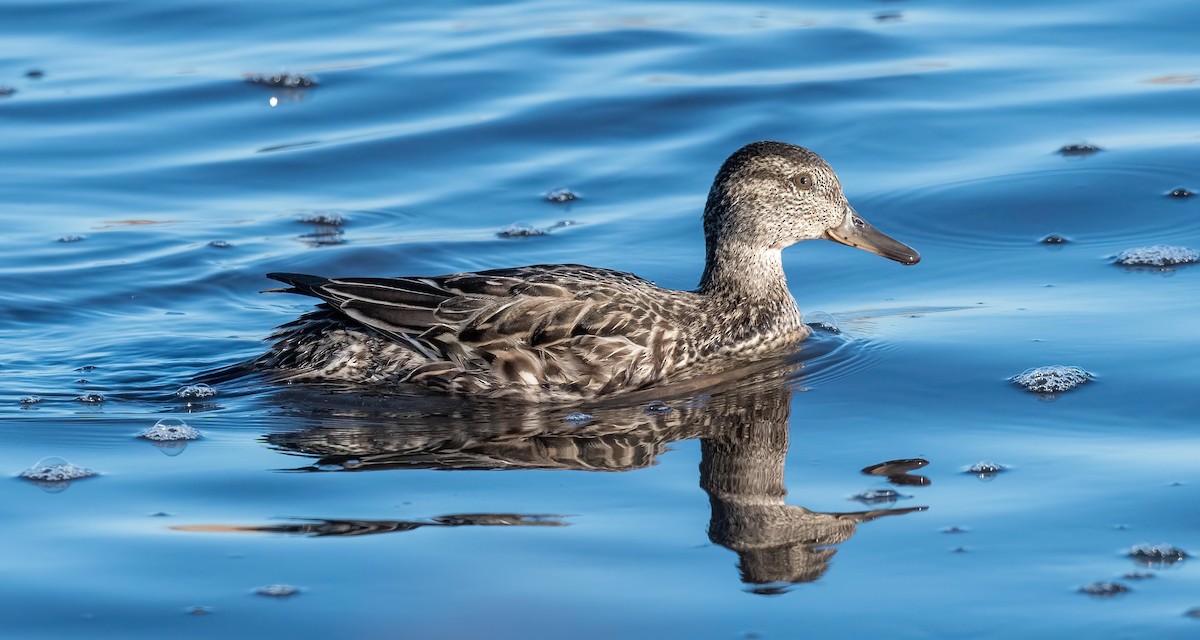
744,442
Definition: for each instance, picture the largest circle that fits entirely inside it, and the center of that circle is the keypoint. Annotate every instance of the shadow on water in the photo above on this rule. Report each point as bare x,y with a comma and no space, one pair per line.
743,431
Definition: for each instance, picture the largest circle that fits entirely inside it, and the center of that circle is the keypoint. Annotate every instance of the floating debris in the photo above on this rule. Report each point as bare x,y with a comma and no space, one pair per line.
35,74
1052,379
1138,575
169,430
199,611
1159,255
90,398
1180,192
6,91
29,400
561,195
56,471
83,381
658,407
1054,238
85,368
198,390
220,244
1194,612
326,218
277,591
955,530
876,496
986,470
889,16
282,80
1081,149
68,239
1105,589
579,417
520,231
1157,555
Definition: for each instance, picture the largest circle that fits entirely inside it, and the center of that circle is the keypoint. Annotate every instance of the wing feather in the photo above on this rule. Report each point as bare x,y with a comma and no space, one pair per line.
546,324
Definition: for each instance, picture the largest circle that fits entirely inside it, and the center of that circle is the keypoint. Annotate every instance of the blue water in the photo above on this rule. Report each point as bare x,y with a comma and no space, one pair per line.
431,129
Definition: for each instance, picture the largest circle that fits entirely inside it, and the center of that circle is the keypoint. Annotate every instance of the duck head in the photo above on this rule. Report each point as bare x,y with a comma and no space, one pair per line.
771,195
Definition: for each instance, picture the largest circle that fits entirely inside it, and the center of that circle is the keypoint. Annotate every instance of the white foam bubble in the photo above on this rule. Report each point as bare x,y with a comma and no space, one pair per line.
199,390
1159,255
54,469
561,195
986,468
170,430
520,231
1052,379
277,591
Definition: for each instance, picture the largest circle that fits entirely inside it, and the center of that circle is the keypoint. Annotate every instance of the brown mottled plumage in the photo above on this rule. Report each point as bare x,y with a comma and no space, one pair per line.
571,332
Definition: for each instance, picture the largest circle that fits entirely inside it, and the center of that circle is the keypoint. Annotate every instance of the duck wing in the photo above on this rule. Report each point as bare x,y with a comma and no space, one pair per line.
592,329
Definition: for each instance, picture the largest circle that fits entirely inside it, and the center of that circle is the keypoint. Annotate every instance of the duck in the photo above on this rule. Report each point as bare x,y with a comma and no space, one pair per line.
570,332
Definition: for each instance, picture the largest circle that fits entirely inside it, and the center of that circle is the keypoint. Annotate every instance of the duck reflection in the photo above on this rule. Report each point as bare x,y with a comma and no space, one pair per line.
744,443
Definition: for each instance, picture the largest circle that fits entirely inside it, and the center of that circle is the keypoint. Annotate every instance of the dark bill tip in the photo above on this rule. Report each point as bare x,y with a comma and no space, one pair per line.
858,233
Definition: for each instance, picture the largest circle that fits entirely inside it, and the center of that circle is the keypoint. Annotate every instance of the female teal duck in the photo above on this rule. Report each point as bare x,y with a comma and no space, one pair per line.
569,332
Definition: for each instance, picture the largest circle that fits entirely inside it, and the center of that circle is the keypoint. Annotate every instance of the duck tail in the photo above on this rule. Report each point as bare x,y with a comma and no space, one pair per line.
300,283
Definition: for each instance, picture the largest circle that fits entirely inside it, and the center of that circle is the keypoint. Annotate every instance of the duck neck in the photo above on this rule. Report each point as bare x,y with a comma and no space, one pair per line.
745,275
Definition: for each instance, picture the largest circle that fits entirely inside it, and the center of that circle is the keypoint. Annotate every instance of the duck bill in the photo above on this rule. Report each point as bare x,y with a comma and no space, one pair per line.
856,232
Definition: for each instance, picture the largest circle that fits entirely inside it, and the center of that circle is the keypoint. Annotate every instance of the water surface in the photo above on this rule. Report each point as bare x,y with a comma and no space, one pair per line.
132,131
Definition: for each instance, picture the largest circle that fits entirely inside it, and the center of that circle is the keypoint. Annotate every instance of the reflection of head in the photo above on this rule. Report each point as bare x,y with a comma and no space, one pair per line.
742,471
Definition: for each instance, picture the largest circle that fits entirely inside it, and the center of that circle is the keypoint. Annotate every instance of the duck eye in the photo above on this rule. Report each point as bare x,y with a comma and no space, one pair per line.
803,181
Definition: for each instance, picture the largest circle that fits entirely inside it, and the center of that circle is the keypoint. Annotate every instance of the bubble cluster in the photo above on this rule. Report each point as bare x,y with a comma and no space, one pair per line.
1157,554
520,231
1105,589
29,400
1079,149
327,218
282,80
70,238
822,321
561,195
198,390
277,591
169,430
54,469
1159,255
985,469
90,398
1052,379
